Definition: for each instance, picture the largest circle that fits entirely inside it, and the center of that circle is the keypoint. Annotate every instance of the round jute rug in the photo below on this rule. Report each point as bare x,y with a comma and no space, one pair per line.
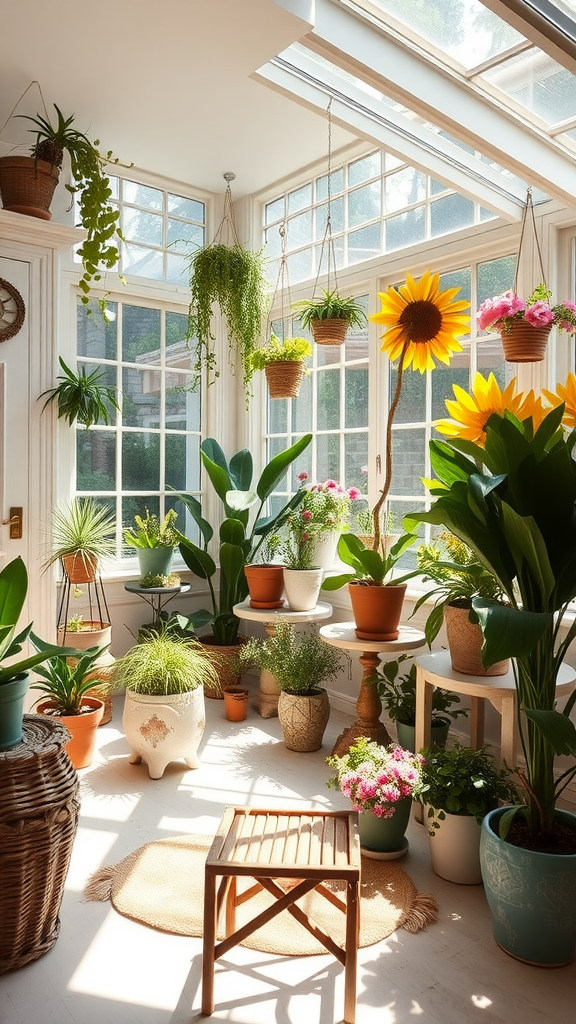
162,885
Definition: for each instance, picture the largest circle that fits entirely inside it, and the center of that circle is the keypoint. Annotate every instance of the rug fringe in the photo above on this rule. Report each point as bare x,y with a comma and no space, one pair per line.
424,911
99,885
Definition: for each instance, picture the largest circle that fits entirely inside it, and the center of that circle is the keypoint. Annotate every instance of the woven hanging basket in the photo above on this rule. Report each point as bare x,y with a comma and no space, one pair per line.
27,185
284,378
329,332
524,343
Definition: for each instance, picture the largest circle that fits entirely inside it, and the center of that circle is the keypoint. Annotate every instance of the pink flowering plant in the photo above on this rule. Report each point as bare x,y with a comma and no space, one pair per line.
374,777
504,310
324,507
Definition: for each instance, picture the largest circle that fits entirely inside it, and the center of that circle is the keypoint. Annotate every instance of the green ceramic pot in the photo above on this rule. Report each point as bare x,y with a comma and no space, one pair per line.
532,897
157,561
12,696
406,736
385,835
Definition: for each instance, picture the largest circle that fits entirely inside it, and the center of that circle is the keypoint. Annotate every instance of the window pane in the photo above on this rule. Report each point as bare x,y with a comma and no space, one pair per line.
300,198
364,204
182,404
277,415
404,188
140,462
302,408
183,236
356,383
176,324
274,211
95,337
188,208
141,397
490,359
273,242
182,453
444,377
142,262
142,227
336,217
299,266
362,170
328,457
336,184
142,195
365,243
450,214
177,269
299,230
328,399
408,461
537,82
95,460
355,458
407,229
412,405
495,277
141,334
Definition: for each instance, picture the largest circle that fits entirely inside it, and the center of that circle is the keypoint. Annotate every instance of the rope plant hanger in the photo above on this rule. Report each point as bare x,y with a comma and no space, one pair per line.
329,316
227,273
525,340
282,358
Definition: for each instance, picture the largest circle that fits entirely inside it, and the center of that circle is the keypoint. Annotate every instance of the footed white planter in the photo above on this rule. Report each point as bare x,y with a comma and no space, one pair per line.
302,587
324,550
455,847
163,729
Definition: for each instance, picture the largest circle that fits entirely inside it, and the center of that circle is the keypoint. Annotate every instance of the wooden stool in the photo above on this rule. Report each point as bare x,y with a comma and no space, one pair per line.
314,847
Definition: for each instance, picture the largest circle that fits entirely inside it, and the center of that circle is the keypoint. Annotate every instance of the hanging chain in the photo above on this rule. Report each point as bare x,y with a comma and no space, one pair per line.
228,219
529,205
328,241
282,283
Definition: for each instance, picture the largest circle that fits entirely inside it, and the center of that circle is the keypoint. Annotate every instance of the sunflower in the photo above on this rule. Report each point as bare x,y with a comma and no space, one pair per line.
472,411
422,322
565,393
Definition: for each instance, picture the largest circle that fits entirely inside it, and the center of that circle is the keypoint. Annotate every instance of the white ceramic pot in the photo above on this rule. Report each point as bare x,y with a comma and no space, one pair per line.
455,847
163,729
302,587
324,549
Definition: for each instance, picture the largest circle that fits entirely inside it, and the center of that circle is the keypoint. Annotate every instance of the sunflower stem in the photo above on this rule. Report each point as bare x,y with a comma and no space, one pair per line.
388,477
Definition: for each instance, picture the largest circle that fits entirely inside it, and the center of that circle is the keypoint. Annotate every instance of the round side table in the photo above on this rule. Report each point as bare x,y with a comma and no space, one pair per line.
267,697
156,597
368,704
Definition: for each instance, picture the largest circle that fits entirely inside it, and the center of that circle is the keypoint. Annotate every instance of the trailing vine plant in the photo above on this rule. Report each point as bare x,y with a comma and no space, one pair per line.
233,277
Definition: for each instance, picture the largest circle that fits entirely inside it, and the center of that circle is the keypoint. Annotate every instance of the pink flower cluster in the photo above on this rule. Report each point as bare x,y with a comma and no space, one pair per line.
325,506
386,775
504,310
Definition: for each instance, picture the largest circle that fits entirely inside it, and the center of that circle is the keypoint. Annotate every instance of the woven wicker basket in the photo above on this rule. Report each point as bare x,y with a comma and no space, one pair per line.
524,343
38,820
225,661
329,332
284,378
27,185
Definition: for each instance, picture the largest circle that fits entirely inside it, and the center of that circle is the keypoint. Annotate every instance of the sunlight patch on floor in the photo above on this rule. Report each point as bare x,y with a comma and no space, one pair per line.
481,1002
90,850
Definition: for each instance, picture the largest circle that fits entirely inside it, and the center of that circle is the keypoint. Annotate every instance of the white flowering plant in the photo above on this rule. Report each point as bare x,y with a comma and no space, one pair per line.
326,506
375,778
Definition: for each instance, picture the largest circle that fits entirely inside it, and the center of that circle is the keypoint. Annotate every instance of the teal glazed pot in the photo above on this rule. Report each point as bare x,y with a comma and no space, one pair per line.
12,696
406,736
385,835
532,897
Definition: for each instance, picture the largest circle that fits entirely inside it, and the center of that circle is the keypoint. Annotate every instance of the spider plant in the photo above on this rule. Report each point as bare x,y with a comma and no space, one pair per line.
82,397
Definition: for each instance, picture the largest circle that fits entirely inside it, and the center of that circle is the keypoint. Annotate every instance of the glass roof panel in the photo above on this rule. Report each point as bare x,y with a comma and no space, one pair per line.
538,83
464,29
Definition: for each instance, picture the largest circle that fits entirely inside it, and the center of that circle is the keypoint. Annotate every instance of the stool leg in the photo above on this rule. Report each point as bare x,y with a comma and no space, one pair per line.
208,944
231,906
351,949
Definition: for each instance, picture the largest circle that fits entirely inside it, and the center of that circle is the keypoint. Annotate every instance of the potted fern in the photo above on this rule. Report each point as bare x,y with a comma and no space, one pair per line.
283,363
330,317
27,185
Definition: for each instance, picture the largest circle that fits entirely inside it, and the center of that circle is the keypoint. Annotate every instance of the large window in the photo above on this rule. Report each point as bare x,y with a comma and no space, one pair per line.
152,446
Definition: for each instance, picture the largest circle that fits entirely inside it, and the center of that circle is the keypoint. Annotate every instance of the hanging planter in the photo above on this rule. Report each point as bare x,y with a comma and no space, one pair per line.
330,317
283,363
523,343
284,379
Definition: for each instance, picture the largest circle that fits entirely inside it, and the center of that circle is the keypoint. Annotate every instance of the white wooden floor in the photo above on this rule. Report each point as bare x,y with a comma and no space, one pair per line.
105,969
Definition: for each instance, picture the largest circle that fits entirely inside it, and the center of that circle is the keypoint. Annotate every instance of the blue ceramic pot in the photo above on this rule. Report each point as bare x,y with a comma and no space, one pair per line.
532,896
385,835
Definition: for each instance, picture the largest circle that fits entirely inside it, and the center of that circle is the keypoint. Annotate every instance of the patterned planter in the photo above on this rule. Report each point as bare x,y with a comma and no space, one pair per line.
163,729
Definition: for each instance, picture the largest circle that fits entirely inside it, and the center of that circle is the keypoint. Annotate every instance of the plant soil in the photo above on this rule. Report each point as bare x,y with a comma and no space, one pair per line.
562,841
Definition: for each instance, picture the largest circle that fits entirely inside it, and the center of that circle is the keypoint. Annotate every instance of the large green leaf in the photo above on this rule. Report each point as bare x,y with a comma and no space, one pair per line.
231,572
241,470
277,468
13,590
195,509
508,632
232,532
372,565
213,451
198,561
528,549
556,728
241,501
219,477
335,582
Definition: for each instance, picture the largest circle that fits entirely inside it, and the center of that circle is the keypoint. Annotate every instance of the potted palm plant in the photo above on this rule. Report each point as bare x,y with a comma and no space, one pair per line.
164,716
154,541
67,682
459,787
459,577
330,317
300,661
376,603
512,502
83,533
398,695
27,185
284,363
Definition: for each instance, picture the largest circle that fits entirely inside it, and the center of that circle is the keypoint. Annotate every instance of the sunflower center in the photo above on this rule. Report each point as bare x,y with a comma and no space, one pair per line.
422,320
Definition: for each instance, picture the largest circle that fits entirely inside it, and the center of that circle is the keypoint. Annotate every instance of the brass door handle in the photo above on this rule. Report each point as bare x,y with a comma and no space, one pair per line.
15,523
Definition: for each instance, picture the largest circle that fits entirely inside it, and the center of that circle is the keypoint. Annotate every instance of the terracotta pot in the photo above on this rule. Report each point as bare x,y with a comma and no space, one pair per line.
265,584
82,729
329,332
284,378
524,343
225,661
465,643
235,703
94,634
303,719
302,588
377,610
80,569
27,185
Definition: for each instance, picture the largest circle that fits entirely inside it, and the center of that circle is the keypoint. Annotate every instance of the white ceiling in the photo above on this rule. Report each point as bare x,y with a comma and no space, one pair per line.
165,85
